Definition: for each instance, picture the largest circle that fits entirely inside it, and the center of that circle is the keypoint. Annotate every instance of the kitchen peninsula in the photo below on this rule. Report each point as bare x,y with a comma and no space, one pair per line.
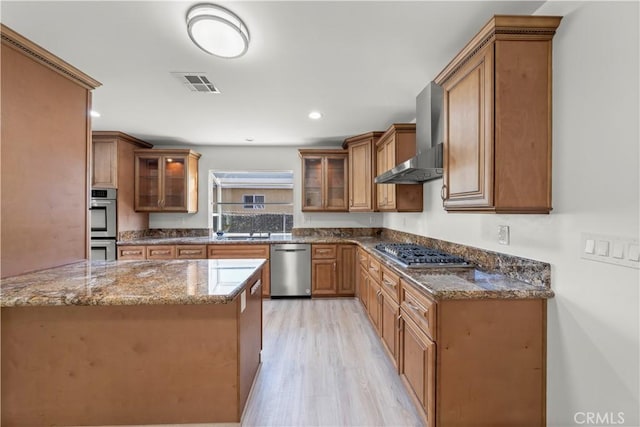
134,342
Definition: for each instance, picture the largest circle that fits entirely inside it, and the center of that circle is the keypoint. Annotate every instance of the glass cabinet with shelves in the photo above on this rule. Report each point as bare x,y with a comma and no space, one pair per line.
324,180
166,181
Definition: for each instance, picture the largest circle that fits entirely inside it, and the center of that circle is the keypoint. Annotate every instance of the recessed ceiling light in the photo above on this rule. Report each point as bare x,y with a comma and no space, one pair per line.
249,139
94,113
315,115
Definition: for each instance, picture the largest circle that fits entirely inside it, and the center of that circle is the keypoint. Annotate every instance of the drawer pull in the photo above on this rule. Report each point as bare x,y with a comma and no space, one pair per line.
417,309
389,283
160,252
131,252
323,251
255,287
190,251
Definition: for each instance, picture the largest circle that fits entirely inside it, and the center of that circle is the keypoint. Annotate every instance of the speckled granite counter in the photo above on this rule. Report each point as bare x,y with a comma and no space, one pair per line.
131,283
531,277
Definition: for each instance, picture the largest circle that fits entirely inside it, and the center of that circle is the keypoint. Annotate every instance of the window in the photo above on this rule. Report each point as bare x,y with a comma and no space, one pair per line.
253,201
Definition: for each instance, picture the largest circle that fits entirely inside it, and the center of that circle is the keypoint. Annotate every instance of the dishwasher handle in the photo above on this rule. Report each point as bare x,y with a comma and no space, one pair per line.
290,250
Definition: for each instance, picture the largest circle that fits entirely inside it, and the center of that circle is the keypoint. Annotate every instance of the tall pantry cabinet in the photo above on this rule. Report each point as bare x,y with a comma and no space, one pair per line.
46,141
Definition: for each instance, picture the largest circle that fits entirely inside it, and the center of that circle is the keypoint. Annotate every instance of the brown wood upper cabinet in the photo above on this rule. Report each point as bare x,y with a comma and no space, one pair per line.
112,153
497,112
113,167
166,180
324,180
362,169
395,146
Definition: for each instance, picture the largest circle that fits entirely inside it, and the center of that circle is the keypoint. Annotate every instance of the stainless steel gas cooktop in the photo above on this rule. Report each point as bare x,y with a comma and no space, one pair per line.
414,256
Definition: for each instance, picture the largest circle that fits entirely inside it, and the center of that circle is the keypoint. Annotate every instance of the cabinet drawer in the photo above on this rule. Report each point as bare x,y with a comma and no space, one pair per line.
391,283
363,258
191,251
419,308
238,251
161,252
374,269
324,252
131,253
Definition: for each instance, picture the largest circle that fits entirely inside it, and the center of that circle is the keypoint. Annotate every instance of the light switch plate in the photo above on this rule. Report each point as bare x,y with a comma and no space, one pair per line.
610,249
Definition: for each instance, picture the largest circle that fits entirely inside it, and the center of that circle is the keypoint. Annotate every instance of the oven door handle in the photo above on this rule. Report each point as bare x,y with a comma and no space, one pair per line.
98,203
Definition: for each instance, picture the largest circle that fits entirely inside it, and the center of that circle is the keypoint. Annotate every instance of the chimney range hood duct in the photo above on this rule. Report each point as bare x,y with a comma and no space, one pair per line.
427,164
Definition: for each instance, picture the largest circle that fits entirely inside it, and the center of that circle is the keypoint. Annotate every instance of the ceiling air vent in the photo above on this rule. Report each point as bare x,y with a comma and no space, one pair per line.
196,82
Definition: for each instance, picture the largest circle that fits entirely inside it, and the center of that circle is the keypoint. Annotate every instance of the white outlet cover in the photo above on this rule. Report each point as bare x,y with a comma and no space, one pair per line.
503,234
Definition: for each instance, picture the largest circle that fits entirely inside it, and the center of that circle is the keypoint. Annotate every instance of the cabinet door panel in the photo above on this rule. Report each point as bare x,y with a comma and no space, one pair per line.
323,277
360,177
389,326
469,129
363,284
312,191
336,183
148,183
373,304
346,269
175,184
417,366
105,161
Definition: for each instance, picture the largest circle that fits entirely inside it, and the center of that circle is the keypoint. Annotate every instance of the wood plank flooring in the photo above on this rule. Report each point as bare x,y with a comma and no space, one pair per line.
323,365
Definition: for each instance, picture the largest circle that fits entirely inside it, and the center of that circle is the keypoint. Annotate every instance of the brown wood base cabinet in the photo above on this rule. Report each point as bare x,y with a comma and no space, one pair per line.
333,271
464,362
134,365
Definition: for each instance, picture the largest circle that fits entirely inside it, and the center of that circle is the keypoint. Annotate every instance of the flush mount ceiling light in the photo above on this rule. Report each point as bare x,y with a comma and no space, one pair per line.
315,115
217,30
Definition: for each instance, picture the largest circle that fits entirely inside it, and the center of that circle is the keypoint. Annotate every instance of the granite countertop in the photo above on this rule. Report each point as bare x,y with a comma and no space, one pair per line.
438,283
459,283
131,283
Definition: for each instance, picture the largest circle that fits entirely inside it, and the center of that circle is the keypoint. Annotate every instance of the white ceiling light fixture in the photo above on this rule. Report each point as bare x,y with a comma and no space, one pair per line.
94,113
315,115
217,30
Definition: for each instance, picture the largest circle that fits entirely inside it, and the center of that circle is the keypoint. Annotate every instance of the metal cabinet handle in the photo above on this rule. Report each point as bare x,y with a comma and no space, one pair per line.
388,283
160,252
444,194
399,322
422,313
190,251
255,287
334,266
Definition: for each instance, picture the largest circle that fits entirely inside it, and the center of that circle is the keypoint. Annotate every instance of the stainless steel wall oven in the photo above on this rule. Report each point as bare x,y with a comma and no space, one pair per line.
103,224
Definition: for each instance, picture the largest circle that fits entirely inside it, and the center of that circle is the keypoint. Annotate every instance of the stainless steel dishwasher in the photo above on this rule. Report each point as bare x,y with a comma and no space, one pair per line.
290,270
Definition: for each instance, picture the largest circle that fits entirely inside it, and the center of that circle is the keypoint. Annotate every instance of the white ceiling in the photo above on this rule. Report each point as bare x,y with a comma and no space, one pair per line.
360,63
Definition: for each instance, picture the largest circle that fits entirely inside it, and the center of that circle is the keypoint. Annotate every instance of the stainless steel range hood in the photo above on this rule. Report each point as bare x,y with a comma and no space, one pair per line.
427,164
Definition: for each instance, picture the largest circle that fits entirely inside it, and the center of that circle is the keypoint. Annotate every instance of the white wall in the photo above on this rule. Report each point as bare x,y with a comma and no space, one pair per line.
593,331
256,158
593,322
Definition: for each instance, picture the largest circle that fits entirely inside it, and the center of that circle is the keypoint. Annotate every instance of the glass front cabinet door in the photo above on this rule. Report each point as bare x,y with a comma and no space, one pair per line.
324,180
166,181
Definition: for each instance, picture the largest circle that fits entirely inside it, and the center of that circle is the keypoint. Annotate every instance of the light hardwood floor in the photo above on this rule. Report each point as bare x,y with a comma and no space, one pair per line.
323,365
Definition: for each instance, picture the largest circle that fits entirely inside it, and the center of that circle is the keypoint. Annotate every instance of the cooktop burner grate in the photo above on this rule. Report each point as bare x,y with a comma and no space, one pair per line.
415,256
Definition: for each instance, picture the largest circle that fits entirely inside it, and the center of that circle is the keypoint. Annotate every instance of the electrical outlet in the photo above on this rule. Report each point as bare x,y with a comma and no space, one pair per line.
503,234
610,249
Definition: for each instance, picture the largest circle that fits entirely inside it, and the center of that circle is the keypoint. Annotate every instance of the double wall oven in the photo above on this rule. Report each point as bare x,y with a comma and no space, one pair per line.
103,224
